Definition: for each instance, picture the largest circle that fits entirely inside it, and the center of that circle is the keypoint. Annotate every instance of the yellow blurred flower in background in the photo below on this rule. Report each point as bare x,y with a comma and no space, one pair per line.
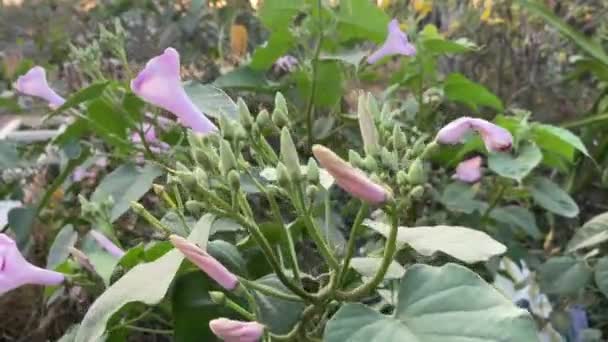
422,7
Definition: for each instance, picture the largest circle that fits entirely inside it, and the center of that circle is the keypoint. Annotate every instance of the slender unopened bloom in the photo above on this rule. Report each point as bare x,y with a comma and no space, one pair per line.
494,137
107,244
396,43
236,331
160,84
349,178
34,83
469,171
208,264
15,271
82,259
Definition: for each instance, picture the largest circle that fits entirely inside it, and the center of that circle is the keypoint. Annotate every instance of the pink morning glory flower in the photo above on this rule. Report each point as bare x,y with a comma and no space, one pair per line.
15,271
494,137
349,178
160,84
469,171
208,264
34,83
396,43
236,331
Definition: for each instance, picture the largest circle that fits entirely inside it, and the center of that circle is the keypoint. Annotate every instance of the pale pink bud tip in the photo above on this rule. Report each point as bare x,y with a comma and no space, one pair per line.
208,264
494,137
34,83
160,84
107,244
396,43
469,171
15,271
349,178
236,331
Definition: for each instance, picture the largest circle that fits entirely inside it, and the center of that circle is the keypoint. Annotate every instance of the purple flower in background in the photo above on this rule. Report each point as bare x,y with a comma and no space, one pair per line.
160,84
286,63
34,83
469,171
15,271
107,244
578,323
494,137
351,179
236,331
396,43
208,264
156,145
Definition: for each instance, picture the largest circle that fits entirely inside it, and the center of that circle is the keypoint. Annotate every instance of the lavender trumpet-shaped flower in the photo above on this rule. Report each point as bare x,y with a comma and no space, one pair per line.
396,43
349,178
160,84
494,137
236,331
208,264
469,171
34,83
107,244
15,271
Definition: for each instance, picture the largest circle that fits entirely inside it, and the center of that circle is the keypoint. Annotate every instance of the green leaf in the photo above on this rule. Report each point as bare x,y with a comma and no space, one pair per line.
278,314
228,255
361,19
328,90
279,43
434,305
601,275
551,197
193,308
147,283
519,217
564,275
243,78
460,197
278,14
21,220
442,46
461,89
9,157
107,122
83,95
103,262
367,267
558,140
589,46
352,57
60,249
125,184
592,233
516,167
212,100
465,244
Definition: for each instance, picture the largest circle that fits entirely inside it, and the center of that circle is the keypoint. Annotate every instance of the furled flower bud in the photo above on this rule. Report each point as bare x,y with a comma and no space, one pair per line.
160,84
289,154
367,126
244,114
15,271
352,180
227,159
312,171
415,173
494,137
34,83
208,264
236,331
107,244
280,113
396,43
469,171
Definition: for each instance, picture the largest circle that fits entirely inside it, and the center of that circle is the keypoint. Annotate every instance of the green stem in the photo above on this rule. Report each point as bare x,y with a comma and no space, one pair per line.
315,70
350,248
150,330
238,309
389,253
493,203
270,291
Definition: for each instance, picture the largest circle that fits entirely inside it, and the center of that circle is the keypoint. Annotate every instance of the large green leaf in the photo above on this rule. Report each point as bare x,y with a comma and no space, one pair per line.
578,38
460,197
243,78
593,232
516,167
352,57
361,19
564,275
277,14
461,89
9,157
601,275
279,43
436,304
107,122
328,89
91,92
551,197
278,314
60,249
212,100
466,244
367,267
519,217
125,184
558,140
20,220
147,283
